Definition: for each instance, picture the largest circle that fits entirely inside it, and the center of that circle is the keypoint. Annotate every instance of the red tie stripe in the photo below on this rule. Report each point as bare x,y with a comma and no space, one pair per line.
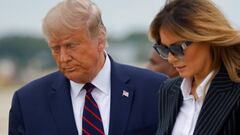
85,131
91,120
95,115
91,101
94,126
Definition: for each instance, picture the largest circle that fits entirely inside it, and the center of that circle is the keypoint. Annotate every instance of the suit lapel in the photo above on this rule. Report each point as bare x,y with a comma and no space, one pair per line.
61,106
220,100
121,100
175,100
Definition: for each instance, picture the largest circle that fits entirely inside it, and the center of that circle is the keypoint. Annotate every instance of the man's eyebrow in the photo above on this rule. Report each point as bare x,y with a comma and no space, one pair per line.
53,44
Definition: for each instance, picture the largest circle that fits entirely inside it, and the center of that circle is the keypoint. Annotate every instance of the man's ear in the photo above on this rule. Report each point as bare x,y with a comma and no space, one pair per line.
102,39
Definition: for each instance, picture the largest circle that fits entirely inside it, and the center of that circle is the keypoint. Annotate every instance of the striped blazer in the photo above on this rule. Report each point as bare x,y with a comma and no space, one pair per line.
220,113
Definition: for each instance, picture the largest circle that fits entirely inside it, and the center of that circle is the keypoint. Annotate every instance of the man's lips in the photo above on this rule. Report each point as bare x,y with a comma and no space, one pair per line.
69,69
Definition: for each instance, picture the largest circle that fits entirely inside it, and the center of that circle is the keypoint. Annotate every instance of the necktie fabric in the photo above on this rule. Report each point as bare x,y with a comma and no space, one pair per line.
91,120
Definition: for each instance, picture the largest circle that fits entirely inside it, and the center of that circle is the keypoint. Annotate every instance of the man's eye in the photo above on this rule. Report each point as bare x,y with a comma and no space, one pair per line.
71,45
55,49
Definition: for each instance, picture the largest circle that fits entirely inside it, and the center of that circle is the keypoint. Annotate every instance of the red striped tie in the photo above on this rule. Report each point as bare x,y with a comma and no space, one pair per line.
91,120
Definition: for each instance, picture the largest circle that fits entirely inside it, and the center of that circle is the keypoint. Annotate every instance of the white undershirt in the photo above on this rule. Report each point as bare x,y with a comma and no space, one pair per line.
189,111
101,95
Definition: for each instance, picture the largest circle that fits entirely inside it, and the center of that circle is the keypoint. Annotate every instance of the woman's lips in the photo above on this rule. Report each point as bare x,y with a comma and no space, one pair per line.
180,68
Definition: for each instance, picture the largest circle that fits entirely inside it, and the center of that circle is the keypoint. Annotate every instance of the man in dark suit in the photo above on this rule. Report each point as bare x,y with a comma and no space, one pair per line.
91,94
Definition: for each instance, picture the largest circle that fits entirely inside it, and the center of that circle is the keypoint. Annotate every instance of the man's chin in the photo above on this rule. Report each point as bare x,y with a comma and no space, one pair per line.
77,78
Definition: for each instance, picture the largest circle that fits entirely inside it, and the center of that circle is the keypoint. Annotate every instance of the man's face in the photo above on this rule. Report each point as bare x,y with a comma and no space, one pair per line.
78,55
156,63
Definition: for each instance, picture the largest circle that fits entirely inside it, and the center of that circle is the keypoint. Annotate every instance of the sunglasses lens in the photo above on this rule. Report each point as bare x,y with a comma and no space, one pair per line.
177,51
162,51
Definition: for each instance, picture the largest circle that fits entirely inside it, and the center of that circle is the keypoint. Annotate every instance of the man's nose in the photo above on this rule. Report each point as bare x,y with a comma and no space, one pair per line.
64,55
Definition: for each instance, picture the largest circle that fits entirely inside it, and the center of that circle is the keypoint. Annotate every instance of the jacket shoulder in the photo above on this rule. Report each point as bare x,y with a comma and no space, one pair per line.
40,83
142,73
172,81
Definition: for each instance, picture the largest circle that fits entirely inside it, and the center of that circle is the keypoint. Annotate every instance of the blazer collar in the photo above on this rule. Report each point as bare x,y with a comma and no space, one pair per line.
175,101
219,102
61,106
121,99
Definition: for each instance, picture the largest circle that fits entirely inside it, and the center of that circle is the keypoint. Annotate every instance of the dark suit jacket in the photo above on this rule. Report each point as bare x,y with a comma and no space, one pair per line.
220,113
43,107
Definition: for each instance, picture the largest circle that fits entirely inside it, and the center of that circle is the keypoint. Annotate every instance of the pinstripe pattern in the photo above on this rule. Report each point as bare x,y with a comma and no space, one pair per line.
220,113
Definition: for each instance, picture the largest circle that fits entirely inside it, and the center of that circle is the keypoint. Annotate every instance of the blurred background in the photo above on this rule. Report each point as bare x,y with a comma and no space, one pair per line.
24,54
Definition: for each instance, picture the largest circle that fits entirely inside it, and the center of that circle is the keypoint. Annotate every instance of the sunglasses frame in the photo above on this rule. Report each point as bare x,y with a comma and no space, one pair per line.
180,46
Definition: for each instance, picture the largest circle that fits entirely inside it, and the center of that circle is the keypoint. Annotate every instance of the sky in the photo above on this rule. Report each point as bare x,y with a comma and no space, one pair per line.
119,16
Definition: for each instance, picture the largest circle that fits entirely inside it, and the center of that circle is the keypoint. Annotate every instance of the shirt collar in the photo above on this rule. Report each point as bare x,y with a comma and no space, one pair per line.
186,86
204,85
102,81
75,88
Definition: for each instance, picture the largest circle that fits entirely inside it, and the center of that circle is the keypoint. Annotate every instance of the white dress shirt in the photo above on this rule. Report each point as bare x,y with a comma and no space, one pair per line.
101,94
187,117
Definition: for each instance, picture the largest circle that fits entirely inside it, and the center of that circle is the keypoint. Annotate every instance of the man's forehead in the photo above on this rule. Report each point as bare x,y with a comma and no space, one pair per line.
61,39
53,39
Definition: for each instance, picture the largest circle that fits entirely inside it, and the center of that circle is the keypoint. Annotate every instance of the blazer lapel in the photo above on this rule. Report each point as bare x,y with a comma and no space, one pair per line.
61,106
121,100
174,102
220,100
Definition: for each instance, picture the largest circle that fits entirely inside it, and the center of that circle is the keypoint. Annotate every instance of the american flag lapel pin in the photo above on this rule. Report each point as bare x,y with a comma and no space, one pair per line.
125,93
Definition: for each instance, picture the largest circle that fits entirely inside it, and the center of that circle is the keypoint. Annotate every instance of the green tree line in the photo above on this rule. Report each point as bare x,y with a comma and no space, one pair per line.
22,49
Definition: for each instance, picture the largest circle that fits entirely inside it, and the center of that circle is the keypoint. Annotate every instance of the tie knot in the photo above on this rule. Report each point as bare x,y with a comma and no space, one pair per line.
88,87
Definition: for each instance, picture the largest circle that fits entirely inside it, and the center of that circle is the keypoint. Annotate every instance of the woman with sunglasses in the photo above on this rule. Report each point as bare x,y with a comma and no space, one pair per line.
195,37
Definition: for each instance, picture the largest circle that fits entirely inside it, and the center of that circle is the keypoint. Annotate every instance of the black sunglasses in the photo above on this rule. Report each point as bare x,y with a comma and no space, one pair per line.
176,49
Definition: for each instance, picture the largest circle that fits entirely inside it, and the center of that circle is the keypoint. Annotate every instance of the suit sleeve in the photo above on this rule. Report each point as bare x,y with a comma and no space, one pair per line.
16,124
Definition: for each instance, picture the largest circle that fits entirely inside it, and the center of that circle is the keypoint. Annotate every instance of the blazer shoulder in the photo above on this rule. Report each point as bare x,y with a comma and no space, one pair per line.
135,73
170,83
143,73
40,83
237,86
